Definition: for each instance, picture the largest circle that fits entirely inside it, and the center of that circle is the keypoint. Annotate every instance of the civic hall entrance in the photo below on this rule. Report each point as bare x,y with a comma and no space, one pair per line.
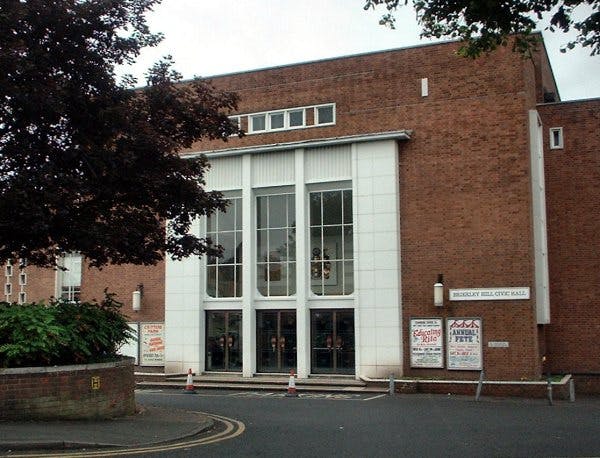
224,341
276,340
332,341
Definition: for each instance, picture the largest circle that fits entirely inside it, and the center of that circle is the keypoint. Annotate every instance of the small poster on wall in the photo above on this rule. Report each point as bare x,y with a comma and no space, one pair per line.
463,337
426,343
152,348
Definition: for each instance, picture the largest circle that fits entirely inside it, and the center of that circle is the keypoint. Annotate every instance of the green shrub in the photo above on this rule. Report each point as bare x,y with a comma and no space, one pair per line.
61,332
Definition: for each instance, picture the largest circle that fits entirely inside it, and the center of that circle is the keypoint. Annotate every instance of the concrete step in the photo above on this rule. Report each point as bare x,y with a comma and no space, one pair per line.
264,386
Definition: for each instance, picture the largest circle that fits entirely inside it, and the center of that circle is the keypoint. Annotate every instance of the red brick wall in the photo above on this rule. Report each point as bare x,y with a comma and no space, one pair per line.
573,207
67,393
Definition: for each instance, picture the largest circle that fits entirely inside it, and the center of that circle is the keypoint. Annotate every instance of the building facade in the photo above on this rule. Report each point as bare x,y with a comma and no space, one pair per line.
361,179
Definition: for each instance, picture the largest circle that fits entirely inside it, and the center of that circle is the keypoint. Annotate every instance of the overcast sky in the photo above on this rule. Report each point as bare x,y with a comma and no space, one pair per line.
212,37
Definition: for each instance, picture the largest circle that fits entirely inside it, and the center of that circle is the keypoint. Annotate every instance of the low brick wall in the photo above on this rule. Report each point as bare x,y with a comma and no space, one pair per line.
90,391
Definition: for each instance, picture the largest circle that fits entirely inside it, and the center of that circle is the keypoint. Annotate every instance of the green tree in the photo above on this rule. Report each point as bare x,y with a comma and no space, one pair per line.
483,25
87,163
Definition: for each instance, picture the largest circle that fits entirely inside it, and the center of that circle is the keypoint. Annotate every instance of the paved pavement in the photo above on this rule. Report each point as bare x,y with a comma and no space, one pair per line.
150,426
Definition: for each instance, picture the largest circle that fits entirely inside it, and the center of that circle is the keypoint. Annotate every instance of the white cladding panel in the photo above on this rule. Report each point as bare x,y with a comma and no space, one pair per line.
329,163
225,173
273,169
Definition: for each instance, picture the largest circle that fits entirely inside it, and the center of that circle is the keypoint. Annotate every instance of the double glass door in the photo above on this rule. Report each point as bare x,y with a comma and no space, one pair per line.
332,342
224,341
276,340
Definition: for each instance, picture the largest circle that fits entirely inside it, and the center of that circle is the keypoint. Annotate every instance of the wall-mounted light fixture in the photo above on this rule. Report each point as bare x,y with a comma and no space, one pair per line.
438,291
136,300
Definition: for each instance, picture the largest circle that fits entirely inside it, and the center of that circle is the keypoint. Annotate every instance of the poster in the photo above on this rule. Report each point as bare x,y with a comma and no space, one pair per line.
463,337
426,342
152,348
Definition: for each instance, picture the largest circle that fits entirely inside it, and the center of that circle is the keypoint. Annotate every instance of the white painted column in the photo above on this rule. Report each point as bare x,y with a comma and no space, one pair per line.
357,353
302,310
248,272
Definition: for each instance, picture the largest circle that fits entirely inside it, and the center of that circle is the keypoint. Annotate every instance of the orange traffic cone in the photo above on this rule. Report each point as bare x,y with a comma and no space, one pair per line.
291,391
189,385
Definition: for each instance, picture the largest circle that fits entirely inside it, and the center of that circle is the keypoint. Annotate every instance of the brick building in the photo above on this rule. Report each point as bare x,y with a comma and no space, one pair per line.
360,180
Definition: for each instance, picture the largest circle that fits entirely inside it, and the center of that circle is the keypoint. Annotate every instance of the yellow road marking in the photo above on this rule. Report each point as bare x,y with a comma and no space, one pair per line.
233,429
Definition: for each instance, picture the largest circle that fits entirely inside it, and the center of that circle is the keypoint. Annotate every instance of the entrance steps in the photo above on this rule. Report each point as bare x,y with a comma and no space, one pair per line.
274,382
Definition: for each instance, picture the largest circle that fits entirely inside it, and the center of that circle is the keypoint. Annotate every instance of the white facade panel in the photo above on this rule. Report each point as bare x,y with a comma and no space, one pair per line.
273,169
225,173
328,163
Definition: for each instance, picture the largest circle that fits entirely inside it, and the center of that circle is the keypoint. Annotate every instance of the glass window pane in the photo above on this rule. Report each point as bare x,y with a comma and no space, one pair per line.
227,219
238,247
276,120
211,223
296,118
262,276
347,207
277,244
211,281
226,283
291,237
325,114
348,243
291,278
332,242
332,207
316,277
257,123
261,212
333,278
277,211
226,240
238,281
315,208
315,244
238,213
348,277
277,279
291,222
262,248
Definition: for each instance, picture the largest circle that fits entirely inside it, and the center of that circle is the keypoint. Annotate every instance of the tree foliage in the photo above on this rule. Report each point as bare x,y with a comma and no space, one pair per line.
61,332
87,163
486,24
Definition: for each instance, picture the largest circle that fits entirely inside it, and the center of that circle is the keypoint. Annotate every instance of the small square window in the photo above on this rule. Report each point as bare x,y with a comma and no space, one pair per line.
276,120
556,138
258,123
324,115
296,118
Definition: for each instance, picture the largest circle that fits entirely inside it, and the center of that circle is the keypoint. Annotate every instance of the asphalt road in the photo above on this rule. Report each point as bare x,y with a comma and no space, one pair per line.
402,425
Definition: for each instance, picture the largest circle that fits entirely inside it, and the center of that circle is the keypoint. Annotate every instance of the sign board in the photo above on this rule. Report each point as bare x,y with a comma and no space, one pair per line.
498,344
463,344
426,342
152,348
490,294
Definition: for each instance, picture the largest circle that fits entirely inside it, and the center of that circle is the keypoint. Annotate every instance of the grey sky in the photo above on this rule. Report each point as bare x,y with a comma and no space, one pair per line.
214,37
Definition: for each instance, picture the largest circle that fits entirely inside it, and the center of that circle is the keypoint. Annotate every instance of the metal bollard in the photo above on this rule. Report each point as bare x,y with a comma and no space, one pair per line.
549,388
392,386
479,386
571,390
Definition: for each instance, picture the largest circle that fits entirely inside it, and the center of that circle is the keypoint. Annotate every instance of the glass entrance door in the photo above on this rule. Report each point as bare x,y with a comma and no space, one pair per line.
276,340
332,341
224,341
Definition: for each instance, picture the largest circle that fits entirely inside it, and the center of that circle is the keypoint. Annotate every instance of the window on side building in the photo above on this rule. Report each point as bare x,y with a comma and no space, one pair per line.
224,273
556,138
324,114
331,243
276,245
70,277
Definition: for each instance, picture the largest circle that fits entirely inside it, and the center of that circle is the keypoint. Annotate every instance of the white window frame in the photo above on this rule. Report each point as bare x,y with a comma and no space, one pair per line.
71,290
553,144
251,129
8,269
287,116
22,278
269,125
22,297
316,114
7,289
